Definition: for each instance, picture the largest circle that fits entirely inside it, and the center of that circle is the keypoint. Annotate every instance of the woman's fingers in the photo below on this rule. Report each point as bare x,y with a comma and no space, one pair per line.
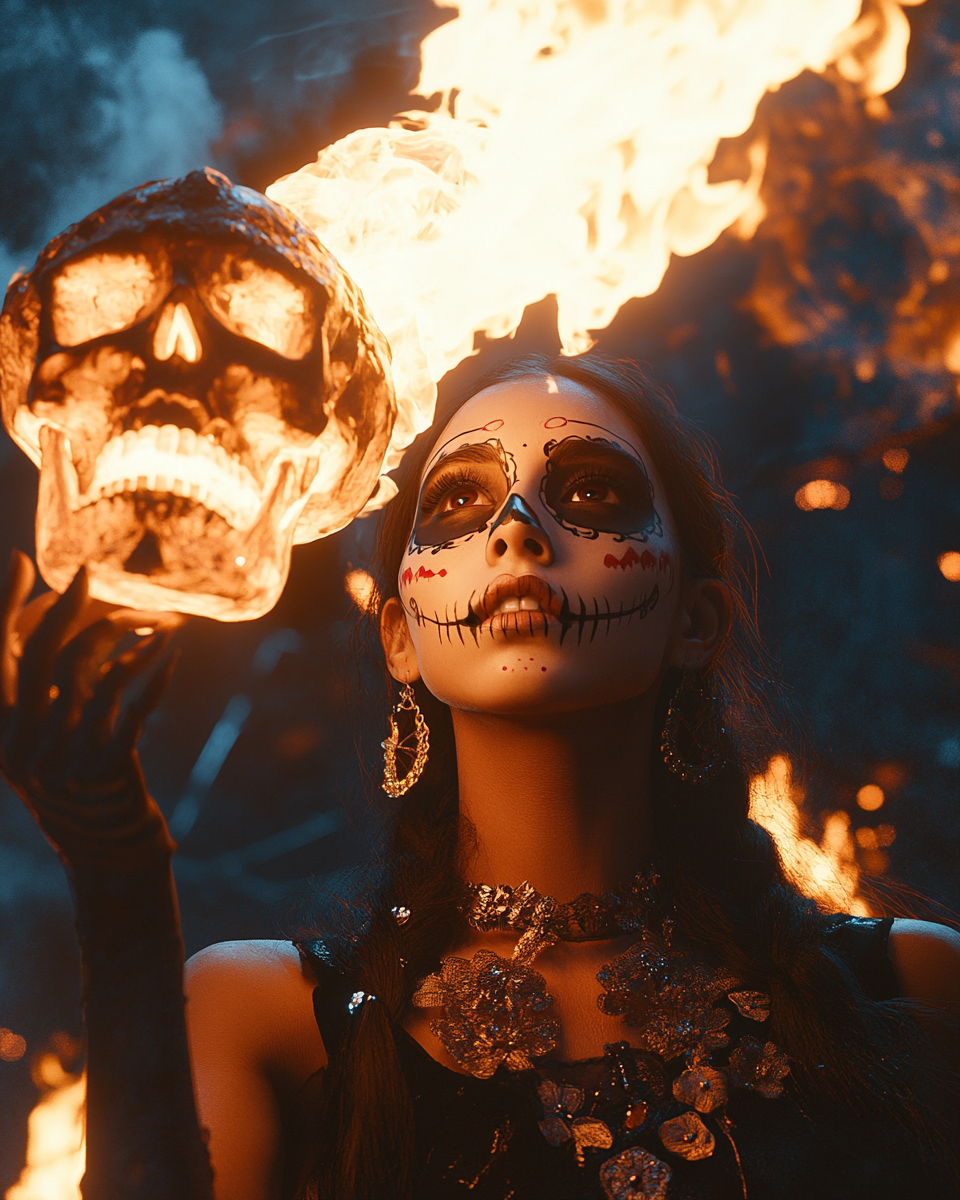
36,669
97,722
77,669
18,586
130,724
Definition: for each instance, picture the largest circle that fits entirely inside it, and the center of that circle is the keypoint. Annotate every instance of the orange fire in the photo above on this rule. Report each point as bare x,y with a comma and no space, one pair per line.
55,1156
828,872
569,155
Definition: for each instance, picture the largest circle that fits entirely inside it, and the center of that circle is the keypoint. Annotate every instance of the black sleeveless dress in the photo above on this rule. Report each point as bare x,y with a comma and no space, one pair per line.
493,1139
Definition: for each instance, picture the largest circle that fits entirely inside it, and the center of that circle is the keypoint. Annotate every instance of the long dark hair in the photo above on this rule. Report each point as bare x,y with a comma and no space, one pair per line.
722,869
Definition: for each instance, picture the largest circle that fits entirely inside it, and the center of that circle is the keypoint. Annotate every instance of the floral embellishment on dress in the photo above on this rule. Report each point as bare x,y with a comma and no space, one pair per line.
759,1066
702,1088
559,1102
559,1125
635,1175
755,1005
687,1136
495,1012
667,996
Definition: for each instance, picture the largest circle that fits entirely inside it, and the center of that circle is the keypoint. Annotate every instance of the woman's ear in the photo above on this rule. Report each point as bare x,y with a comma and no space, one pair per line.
704,621
398,647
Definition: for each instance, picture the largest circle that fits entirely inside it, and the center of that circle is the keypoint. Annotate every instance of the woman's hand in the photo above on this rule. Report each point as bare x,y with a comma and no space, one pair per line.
66,746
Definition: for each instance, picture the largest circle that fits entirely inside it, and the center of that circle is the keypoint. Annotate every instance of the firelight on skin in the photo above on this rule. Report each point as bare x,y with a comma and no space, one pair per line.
536,488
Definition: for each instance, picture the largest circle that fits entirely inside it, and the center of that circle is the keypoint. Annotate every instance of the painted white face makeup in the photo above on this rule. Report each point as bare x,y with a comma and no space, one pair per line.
541,571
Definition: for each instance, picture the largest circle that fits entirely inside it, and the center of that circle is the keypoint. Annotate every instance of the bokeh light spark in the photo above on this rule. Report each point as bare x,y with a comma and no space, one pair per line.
870,797
949,565
12,1046
822,493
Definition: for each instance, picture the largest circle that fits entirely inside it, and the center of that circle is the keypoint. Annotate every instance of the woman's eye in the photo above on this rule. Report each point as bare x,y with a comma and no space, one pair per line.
592,493
462,497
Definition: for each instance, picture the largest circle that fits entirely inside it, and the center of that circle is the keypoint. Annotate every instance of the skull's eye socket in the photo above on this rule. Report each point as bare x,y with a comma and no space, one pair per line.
461,494
105,293
256,302
594,484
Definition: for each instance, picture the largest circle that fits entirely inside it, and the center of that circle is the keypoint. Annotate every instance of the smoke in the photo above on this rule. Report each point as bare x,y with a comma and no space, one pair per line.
101,95
89,115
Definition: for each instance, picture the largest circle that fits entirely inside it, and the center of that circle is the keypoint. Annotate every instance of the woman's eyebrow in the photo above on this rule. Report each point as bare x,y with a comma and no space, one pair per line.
619,440
585,450
472,452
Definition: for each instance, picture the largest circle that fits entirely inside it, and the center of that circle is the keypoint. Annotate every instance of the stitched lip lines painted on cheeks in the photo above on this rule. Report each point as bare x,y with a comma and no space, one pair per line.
491,614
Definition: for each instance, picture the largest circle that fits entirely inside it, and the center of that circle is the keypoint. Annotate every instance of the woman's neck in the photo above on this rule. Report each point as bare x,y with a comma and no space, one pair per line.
563,802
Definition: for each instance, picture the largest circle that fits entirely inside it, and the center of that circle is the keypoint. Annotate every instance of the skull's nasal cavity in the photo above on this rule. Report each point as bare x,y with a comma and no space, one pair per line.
176,334
146,559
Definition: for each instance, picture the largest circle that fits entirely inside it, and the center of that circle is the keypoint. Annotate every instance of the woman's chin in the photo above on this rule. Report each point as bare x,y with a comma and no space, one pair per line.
523,683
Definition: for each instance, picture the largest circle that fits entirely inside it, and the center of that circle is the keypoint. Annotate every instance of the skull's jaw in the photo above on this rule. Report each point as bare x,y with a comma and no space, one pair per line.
159,551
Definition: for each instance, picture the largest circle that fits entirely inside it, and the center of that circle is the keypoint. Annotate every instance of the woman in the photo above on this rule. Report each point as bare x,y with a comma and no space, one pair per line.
560,606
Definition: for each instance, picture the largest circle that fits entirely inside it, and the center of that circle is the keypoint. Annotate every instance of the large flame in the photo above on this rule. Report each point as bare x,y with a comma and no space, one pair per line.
827,872
55,1145
569,155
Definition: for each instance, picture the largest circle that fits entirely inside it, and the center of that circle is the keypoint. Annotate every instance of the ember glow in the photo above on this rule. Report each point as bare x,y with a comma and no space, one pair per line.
827,872
569,155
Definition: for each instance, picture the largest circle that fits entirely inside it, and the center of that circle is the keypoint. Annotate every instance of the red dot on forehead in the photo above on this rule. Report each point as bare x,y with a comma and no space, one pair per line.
491,425
555,423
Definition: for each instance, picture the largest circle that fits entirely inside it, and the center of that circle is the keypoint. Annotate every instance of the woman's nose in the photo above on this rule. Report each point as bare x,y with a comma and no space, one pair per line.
518,533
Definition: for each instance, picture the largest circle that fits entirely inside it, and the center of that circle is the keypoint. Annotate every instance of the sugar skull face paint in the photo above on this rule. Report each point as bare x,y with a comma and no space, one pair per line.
507,584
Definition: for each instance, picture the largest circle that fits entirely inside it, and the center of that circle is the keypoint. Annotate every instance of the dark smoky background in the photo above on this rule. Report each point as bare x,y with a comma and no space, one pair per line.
825,347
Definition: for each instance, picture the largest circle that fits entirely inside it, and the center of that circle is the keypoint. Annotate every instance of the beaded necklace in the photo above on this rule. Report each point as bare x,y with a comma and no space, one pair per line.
496,1014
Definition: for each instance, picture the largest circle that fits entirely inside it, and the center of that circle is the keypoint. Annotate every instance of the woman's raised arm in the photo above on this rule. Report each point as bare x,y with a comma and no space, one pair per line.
68,748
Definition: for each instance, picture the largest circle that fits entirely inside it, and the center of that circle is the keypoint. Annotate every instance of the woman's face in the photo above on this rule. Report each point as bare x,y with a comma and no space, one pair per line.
543,569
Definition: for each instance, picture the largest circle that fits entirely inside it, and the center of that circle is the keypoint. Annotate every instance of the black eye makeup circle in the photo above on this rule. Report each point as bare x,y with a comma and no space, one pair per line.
594,486
461,493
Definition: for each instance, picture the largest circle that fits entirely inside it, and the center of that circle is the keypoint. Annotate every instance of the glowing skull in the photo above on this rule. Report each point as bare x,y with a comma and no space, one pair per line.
201,386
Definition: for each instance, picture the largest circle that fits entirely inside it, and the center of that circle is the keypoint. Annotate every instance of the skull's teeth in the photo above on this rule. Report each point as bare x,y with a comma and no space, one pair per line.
169,459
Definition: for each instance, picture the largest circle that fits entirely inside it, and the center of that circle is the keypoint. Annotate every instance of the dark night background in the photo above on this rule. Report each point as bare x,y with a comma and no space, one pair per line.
807,352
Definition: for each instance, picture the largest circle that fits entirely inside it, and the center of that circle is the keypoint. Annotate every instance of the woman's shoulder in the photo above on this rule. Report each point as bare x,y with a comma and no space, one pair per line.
926,958
254,999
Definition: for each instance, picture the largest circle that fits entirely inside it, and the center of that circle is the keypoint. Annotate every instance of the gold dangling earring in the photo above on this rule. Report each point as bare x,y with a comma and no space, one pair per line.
393,786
